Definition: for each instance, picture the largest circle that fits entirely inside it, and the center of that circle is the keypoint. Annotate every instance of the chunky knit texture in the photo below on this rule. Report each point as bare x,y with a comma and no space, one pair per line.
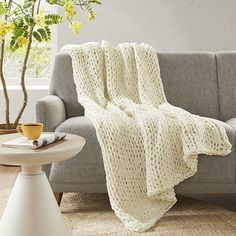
148,145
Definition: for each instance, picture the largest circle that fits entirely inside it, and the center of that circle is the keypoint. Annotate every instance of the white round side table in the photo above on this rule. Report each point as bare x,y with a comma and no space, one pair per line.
32,209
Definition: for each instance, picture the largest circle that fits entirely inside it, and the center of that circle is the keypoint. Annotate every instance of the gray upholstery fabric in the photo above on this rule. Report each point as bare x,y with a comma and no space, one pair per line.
226,63
190,81
62,85
232,123
87,166
50,111
47,169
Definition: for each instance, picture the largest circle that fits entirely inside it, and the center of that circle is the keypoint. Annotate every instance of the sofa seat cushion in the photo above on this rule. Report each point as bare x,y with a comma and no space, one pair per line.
87,166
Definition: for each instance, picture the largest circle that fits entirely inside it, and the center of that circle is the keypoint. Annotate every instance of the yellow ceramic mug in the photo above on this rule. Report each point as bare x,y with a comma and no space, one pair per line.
30,131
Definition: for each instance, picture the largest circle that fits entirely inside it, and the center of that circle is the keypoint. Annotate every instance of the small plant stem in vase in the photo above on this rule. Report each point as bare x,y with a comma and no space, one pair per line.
4,86
23,74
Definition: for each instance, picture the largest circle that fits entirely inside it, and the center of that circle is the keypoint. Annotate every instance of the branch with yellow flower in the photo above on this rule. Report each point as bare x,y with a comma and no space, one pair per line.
21,24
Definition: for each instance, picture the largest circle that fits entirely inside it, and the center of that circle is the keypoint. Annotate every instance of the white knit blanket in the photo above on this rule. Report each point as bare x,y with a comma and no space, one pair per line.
148,145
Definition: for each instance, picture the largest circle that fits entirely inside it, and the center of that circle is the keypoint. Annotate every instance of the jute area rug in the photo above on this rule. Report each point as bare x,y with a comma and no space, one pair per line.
91,214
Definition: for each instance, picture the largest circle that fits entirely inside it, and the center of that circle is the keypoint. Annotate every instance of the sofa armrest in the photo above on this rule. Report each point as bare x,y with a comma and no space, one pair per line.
232,123
50,111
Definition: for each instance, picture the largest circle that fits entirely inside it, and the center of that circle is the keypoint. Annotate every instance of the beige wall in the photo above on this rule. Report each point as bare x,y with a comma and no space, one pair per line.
166,24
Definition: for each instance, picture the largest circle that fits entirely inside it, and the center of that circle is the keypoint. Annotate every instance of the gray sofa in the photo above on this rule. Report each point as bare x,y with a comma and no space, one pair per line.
202,83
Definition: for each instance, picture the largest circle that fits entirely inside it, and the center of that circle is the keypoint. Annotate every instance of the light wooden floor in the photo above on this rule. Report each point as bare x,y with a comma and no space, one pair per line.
8,176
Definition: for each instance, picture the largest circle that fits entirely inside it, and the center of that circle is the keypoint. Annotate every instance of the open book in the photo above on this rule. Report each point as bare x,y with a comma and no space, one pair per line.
44,139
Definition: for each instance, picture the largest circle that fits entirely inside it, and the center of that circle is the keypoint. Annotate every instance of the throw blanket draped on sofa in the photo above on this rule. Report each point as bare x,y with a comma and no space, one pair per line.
148,145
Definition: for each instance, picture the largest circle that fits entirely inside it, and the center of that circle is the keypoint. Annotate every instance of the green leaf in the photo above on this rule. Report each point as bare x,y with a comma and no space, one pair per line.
48,32
42,34
37,36
14,44
53,19
29,20
52,1
28,4
20,27
3,8
95,1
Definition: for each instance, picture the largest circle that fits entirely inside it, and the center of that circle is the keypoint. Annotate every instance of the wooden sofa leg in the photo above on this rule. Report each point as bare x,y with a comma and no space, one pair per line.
58,197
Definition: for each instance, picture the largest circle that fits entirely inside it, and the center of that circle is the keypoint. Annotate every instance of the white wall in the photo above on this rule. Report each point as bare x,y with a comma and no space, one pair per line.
168,25
16,99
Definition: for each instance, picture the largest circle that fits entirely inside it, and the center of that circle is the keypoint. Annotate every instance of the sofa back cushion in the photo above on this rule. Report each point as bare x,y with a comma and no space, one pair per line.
189,80
226,63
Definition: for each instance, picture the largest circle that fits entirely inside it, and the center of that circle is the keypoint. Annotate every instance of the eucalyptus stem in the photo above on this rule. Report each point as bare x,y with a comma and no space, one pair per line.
3,81
38,8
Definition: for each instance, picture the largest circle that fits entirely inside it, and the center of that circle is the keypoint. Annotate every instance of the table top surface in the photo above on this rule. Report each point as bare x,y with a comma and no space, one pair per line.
59,151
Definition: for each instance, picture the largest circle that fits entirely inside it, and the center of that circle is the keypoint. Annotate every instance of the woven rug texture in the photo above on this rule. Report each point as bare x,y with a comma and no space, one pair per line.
91,214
